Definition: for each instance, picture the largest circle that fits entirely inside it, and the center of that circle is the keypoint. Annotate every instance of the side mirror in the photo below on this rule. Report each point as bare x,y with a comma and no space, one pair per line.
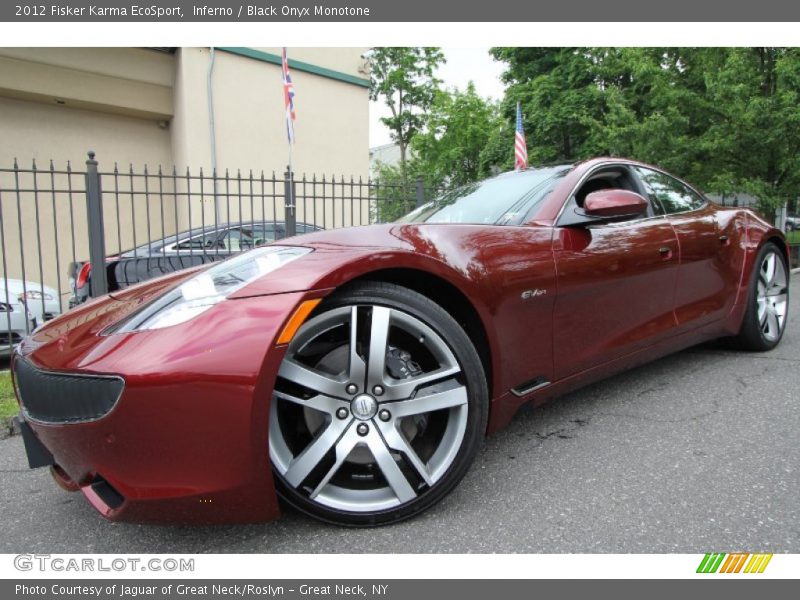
614,204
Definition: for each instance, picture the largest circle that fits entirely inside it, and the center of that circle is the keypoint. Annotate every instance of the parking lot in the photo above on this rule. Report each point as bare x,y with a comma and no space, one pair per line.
693,453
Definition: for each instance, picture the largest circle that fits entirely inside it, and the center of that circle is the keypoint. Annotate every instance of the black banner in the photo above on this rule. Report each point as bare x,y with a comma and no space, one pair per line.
403,10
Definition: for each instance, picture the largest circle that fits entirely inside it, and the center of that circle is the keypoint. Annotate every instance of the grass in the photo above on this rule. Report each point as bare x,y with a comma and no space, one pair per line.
793,237
8,403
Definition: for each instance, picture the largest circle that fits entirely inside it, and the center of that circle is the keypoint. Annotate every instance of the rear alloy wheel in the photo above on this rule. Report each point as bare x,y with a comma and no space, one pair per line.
765,319
379,407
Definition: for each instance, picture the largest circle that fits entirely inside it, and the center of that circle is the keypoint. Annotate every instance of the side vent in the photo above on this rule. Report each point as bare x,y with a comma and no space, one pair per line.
530,386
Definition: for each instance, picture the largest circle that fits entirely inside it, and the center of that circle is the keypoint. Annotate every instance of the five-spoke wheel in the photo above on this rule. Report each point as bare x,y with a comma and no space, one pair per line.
378,407
772,296
765,319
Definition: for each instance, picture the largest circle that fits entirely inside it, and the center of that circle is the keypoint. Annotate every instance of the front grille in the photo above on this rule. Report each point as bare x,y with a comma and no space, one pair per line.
52,397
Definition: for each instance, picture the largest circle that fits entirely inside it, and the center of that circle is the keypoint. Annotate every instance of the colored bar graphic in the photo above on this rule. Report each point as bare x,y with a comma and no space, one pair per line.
740,563
717,563
710,563
728,563
702,567
713,562
753,561
764,564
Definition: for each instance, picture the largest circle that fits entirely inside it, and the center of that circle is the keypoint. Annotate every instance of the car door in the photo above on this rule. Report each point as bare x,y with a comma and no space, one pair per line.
706,285
616,280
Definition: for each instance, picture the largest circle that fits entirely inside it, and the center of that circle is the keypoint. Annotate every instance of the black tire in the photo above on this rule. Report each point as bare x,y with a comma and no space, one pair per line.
751,337
471,376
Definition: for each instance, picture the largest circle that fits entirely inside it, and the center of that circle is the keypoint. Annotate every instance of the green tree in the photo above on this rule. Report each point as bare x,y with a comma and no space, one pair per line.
755,134
560,99
451,148
726,119
403,79
393,193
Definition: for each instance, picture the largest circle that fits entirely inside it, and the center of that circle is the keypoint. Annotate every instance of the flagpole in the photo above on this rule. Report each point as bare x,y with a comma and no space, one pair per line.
291,227
289,208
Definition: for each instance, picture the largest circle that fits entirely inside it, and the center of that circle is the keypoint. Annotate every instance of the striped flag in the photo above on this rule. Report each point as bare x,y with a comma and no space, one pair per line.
520,148
288,97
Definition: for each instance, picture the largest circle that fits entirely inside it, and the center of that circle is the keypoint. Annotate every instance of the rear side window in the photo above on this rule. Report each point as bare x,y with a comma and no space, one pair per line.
207,240
671,194
248,237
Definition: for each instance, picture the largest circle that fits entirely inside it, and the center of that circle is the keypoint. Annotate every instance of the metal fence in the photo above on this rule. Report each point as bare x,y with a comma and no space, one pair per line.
55,220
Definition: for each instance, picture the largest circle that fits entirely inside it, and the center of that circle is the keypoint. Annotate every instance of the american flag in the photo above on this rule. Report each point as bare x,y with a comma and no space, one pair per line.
520,149
288,97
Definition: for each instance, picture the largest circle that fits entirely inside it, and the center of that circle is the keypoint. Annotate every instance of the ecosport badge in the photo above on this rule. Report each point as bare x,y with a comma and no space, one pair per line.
528,294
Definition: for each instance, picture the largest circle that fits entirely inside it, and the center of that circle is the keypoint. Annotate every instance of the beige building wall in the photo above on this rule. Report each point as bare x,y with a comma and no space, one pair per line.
140,107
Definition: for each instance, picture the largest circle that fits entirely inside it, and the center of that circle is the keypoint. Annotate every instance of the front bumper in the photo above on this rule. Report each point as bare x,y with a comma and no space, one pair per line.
186,439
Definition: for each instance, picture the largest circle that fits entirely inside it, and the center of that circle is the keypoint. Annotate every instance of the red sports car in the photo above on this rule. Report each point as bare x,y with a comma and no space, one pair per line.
356,371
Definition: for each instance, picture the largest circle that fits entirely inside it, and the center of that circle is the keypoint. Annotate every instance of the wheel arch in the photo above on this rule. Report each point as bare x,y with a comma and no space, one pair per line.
448,296
779,241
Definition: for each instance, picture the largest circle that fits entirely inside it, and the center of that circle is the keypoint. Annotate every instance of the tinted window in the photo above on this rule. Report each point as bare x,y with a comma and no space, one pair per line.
200,242
502,200
674,196
247,237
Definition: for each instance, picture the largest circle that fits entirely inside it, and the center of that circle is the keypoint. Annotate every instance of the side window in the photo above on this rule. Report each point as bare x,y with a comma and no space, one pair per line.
670,193
248,237
199,242
237,239
263,234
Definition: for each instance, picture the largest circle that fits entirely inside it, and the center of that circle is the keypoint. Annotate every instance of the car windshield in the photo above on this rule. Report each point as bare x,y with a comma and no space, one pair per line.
501,200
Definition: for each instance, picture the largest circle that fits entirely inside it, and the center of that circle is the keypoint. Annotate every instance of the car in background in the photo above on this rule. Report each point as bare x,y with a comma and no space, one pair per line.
24,305
176,252
793,223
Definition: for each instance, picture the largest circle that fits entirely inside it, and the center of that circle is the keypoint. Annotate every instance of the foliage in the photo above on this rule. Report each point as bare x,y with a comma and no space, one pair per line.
403,79
725,119
8,403
452,148
394,193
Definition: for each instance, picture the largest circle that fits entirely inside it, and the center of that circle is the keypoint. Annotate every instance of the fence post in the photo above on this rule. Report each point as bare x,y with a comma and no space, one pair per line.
97,242
289,195
420,192
780,217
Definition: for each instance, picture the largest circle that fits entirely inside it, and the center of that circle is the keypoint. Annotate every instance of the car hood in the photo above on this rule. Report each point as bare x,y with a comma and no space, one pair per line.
451,251
18,286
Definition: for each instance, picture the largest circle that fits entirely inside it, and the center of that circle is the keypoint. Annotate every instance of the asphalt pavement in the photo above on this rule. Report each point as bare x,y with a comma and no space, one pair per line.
696,452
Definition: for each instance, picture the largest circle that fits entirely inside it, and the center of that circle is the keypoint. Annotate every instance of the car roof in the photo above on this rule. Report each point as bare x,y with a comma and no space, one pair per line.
211,228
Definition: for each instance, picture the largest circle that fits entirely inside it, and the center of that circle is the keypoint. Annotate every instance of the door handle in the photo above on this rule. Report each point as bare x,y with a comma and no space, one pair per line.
724,240
665,252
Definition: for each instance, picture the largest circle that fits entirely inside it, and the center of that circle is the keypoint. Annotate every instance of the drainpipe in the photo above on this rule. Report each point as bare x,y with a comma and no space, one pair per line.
212,129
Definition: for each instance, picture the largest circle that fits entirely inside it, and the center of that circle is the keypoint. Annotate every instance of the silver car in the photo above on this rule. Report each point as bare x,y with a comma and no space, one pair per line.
24,305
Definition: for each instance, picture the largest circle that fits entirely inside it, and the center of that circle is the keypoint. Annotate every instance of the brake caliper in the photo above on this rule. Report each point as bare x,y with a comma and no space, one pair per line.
400,365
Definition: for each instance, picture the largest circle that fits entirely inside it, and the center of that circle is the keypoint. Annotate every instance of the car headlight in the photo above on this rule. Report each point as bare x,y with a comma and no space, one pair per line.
196,295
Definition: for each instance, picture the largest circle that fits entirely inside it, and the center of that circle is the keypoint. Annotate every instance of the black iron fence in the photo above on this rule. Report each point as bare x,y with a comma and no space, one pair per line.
67,234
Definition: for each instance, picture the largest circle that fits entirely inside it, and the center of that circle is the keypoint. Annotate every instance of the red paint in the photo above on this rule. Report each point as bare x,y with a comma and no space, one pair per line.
187,441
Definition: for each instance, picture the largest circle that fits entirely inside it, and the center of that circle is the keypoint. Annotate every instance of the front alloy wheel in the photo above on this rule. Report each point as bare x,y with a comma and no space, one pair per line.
378,409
